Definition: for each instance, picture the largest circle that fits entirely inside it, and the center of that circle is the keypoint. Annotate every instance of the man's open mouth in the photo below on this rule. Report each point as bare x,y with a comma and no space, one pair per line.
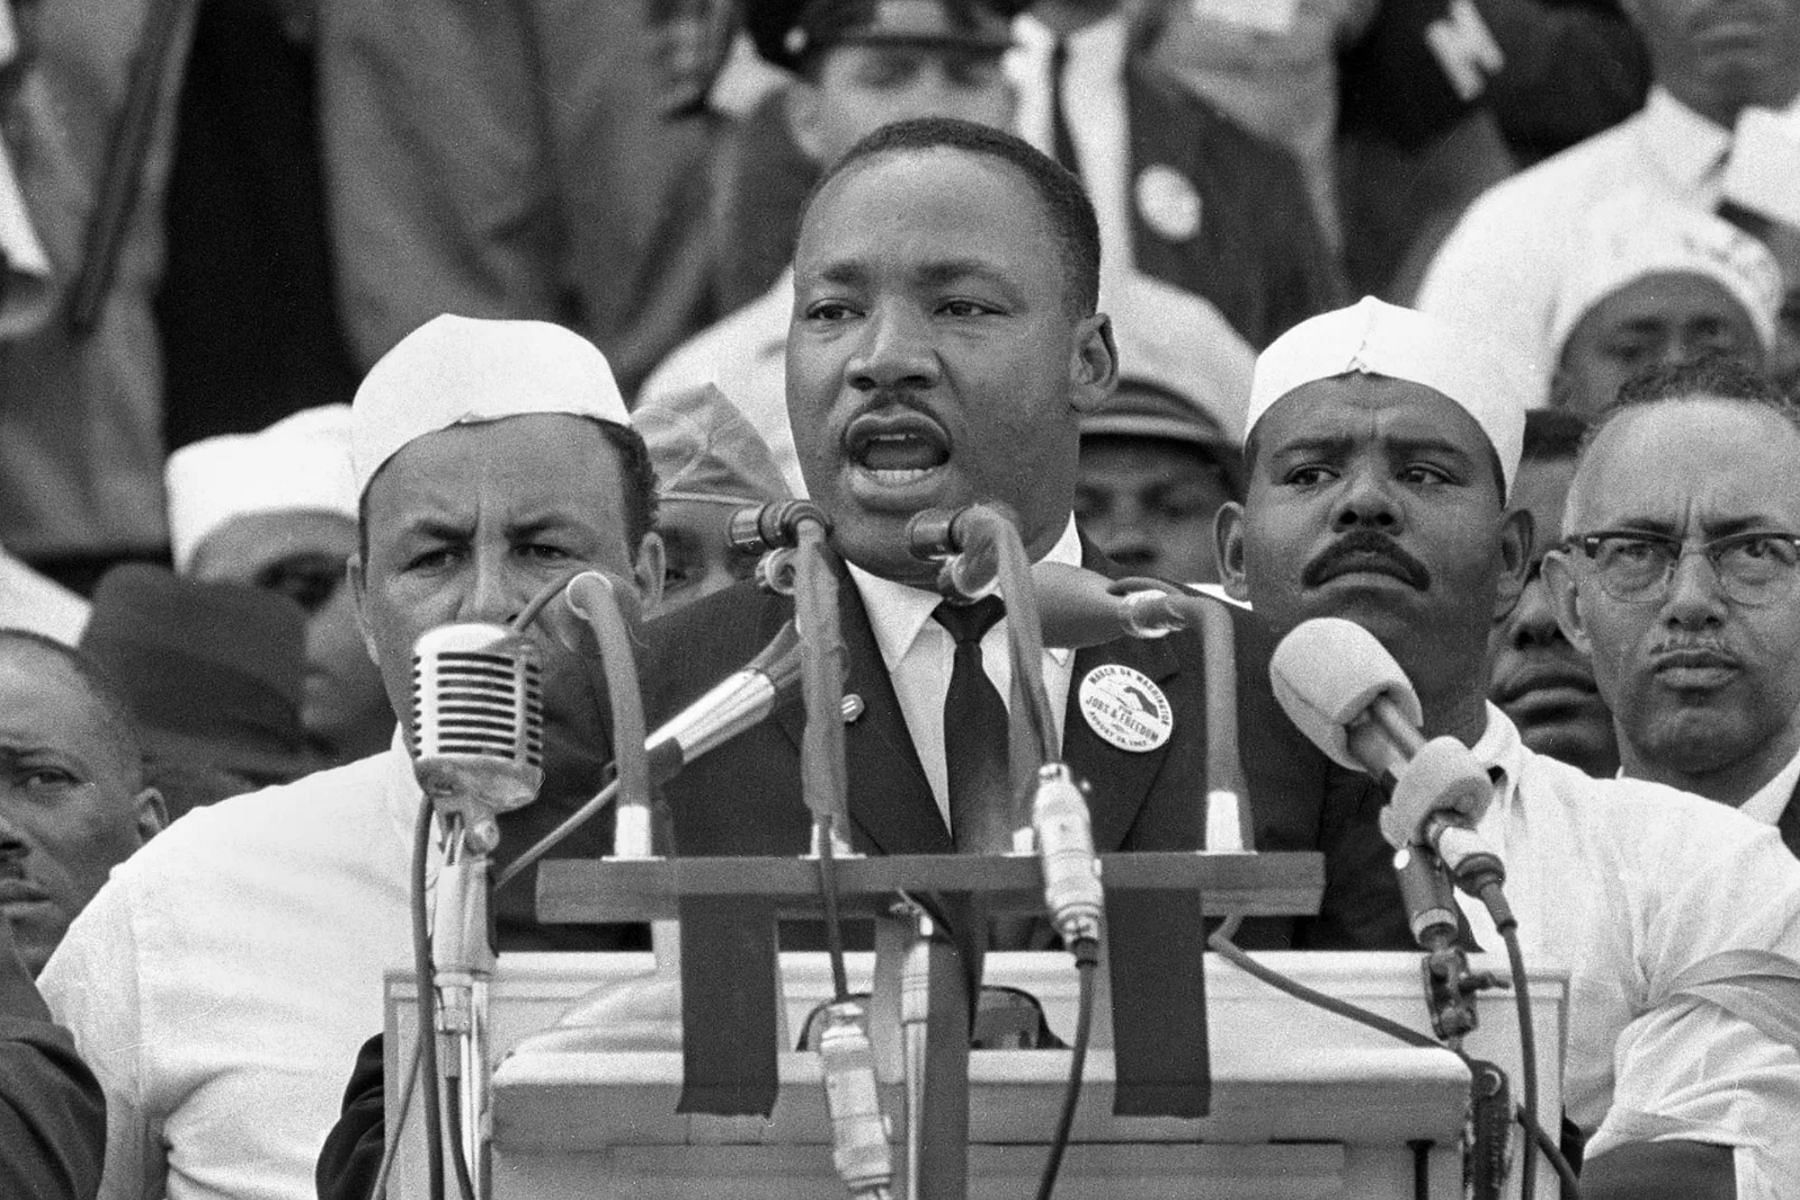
897,448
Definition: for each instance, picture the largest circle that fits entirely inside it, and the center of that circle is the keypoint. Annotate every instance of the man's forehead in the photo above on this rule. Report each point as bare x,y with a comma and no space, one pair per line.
521,469
1361,405
1705,458
41,693
925,177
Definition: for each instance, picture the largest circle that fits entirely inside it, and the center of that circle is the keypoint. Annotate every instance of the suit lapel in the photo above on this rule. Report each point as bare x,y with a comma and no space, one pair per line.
1789,824
891,805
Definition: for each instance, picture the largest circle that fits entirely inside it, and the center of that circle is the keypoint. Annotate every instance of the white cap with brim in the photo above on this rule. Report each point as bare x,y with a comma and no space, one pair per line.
1373,338
299,464
462,370
1177,343
1636,234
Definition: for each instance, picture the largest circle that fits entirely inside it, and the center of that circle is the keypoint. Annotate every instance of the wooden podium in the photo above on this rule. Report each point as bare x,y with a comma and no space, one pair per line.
1304,1103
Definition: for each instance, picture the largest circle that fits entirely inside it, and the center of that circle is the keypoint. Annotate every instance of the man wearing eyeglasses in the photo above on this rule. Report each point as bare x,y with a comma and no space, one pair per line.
1679,576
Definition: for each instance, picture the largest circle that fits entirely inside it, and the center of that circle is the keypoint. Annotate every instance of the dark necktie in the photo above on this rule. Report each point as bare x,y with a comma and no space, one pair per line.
976,738
1062,140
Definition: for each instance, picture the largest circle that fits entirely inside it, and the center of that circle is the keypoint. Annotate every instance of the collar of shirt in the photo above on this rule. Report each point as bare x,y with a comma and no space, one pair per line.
1771,799
1500,751
1689,148
899,612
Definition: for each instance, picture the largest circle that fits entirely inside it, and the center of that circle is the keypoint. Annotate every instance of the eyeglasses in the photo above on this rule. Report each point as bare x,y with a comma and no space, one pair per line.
1635,567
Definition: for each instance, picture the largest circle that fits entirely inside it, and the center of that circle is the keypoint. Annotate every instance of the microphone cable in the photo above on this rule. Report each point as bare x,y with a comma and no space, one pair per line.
1087,963
424,994
1525,1114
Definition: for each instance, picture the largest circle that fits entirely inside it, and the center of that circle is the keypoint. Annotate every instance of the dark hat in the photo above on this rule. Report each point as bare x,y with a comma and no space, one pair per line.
212,671
786,31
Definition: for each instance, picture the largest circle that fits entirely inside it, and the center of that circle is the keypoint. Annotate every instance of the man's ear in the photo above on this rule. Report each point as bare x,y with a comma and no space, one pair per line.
803,118
1518,532
152,815
359,591
1228,549
1094,363
648,568
1565,599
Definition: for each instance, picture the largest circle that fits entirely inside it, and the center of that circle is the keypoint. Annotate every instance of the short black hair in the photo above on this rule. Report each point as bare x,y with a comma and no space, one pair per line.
1065,204
1553,435
121,723
1715,377
638,476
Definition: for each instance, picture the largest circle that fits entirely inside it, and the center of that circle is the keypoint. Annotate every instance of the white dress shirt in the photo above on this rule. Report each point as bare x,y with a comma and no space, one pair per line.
1501,266
1679,921
918,653
1096,111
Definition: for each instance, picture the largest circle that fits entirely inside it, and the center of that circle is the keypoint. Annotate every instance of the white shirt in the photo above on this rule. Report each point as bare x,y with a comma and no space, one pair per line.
1096,111
1501,266
223,980
918,653
1679,921
1771,799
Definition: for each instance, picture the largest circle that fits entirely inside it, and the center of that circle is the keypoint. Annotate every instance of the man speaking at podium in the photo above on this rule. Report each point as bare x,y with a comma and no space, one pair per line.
1381,445
944,345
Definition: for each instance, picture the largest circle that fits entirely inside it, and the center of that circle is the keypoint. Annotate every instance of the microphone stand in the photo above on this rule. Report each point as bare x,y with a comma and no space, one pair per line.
595,597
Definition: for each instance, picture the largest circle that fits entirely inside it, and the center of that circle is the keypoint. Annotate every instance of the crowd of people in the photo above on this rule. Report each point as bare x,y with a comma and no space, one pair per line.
537,286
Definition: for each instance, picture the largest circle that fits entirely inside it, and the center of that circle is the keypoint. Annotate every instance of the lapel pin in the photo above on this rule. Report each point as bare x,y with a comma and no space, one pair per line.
853,707
1126,708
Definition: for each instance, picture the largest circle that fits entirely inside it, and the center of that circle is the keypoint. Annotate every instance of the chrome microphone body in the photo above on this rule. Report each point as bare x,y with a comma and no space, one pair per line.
478,722
739,701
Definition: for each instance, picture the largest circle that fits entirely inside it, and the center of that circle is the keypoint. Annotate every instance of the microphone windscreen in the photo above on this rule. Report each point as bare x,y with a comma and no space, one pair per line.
1326,672
1077,606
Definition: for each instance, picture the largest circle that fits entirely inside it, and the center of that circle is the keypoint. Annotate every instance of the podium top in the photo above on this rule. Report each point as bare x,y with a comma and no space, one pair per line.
589,891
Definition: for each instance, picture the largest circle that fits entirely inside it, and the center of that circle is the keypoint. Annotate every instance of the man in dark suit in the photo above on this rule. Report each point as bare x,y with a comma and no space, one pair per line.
1698,655
943,348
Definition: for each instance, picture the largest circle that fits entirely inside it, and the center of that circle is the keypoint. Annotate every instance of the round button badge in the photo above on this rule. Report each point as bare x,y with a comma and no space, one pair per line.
1125,707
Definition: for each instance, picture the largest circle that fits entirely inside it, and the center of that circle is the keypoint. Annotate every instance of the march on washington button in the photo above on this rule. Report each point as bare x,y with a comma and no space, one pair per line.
1124,706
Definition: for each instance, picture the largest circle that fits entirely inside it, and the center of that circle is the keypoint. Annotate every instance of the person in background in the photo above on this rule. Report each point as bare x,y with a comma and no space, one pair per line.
1536,676
29,600
709,464
277,510
1161,457
1657,284
1679,576
74,802
1715,64
857,66
211,673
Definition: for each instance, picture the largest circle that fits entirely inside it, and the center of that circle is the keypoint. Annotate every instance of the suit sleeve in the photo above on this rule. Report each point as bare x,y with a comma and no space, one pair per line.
351,1156
52,1113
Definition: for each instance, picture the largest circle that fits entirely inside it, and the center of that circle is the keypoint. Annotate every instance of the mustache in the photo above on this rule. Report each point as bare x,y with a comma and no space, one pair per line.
1365,544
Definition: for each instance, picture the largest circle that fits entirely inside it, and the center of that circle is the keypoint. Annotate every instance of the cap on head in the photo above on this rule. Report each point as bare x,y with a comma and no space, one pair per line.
229,698
462,370
1190,369
786,31
299,463
1634,234
1373,338
703,449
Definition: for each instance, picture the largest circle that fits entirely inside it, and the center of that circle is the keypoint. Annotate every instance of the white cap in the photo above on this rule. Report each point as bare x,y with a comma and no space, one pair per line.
461,370
1634,234
1374,338
1179,343
300,463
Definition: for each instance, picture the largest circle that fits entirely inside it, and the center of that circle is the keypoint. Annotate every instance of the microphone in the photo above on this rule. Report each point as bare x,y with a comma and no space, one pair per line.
1080,608
1065,842
773,526
1346,693
738,702
478,724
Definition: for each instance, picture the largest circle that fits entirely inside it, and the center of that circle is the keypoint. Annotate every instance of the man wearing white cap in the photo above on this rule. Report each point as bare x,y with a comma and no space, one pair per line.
1382,444
277,510
1657,283
222,984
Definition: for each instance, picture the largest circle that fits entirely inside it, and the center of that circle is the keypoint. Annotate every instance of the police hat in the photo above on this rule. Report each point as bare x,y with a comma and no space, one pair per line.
786,31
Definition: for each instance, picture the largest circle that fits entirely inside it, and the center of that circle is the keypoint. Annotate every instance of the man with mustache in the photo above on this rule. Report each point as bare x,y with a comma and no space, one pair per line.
1680,576
945,345
1535,674
1382,445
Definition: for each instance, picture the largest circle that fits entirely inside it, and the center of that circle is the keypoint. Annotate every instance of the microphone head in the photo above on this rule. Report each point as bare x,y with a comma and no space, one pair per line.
756,529
478,718
1326,672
